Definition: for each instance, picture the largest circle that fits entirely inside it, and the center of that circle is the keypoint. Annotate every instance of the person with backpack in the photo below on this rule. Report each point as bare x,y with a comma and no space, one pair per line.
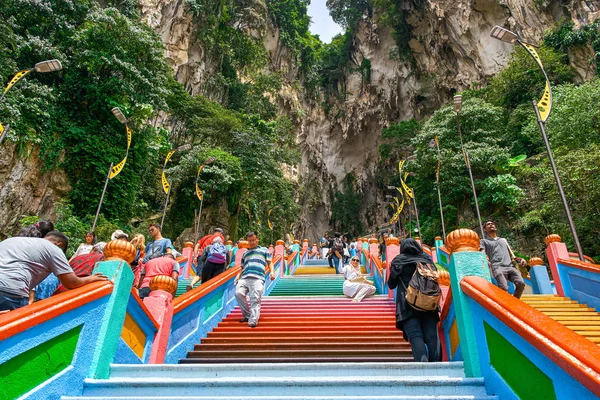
417,300
215,259
336,253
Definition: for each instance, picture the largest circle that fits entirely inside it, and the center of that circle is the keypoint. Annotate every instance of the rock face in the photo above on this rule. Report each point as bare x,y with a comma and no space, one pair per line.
452,50
26,190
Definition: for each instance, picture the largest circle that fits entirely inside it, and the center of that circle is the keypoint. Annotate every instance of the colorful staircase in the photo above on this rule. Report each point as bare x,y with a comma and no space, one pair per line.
308,330
578,317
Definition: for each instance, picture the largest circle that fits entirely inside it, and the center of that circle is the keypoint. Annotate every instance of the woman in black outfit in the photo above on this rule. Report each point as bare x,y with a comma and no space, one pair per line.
420,327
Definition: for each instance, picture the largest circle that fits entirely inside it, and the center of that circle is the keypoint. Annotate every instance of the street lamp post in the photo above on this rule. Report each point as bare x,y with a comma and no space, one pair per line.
542,110
42,67
200,196
114,171
457,108
436,143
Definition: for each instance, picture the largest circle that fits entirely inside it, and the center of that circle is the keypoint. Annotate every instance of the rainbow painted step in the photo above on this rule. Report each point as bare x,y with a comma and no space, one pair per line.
315,285
303,329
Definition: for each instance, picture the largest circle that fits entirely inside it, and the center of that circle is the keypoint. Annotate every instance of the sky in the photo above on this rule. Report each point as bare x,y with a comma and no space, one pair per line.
322,24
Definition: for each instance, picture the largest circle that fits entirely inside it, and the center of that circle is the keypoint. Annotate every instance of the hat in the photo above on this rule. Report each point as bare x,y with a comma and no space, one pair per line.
118,234
99,247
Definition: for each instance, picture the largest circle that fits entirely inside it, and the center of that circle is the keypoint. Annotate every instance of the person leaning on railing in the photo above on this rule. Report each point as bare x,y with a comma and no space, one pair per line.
26,261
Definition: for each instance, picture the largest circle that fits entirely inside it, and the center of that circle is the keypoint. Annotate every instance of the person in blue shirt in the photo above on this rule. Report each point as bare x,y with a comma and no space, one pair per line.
159,246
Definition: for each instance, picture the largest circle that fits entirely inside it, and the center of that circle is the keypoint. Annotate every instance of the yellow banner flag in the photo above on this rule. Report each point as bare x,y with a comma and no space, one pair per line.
169,154
269,219
198,191
165,183
545,103
401,165
117,168
16,78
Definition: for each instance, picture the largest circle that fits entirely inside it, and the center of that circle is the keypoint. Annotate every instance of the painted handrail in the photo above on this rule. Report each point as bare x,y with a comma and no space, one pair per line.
576,355
143,307
19,320
188,298
585,266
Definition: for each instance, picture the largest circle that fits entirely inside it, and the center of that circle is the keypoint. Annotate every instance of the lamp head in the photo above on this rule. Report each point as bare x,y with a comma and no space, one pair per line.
504,35
432,143
389,196
184,147
209,160
457,103
119,115
392,187
48,66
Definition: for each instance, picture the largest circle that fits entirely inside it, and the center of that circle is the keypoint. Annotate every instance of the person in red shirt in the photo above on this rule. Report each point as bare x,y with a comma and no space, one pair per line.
84,264
165,265
202,244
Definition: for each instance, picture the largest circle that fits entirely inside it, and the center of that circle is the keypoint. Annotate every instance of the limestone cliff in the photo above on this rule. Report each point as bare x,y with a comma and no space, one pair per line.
26,190
452,50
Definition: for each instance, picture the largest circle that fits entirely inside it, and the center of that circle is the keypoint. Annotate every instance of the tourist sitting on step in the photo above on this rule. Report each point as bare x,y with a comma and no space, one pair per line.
26,261
419,327
165,265
356,286
250,280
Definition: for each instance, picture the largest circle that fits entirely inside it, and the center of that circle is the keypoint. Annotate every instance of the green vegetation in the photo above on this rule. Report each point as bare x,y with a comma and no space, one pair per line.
112,59
346,207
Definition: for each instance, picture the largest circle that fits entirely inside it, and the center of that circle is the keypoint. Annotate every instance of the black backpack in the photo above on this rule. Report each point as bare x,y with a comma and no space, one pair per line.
423,292
338,245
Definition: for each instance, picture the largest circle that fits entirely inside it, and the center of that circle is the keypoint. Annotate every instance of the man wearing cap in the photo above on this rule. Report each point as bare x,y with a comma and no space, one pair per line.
500,257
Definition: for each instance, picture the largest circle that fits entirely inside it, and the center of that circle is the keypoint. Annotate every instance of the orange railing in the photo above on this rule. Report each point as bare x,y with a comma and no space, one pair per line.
570,351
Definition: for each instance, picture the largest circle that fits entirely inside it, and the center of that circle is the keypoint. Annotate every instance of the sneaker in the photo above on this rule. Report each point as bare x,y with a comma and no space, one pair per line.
252,325
244,320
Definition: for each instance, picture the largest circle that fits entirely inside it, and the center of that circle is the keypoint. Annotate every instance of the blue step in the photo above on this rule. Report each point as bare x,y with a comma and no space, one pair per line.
316,262
332,381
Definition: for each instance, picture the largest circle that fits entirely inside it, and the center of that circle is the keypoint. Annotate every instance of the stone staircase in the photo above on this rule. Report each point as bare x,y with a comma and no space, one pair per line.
578,317
309,381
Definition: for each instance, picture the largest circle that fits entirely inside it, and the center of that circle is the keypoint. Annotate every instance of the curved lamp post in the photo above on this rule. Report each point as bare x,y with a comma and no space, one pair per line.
200,196
457,108
114,171
42,67
542,110
165,182
435,143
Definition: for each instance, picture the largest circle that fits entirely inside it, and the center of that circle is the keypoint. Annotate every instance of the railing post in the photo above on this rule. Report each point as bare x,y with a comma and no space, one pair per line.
120,274
555,250
540,281
280,250
296,247
242,247
439,242
160,305
314,250
373,253
188,251
392,249
466,260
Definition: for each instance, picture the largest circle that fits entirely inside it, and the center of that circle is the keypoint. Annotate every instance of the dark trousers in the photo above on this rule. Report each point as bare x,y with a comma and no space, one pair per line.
144,292
9,302
211,270
510,274
421,330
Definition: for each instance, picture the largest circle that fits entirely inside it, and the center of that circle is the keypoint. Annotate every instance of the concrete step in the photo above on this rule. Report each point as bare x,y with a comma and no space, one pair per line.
467,397
166,371
341,386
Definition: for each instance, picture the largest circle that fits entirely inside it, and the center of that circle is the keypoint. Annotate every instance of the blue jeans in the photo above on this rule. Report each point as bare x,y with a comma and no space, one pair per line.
10,302
336,264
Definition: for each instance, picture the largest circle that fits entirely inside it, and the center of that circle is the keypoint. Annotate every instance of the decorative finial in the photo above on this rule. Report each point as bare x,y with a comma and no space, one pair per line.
462,240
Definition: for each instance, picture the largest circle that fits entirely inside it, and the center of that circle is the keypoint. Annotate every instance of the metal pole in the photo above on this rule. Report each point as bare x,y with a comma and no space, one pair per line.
102,197
417,215
195,226
468,162
198,222
165,209
409,224
6,129
558,183
438,189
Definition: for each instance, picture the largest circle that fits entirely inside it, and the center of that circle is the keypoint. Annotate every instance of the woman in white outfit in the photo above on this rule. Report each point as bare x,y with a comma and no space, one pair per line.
356,286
